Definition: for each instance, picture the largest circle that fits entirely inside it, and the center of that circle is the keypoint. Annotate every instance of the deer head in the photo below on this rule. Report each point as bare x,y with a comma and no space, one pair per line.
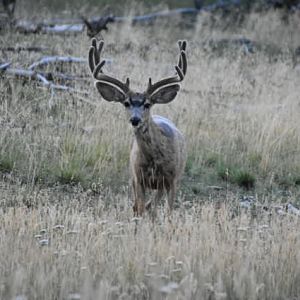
136,104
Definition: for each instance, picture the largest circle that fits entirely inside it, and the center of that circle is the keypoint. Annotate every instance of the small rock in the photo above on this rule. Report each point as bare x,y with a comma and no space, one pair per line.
215,187
58,227
292,209
44,242
21,297
243,229
74,296
169,288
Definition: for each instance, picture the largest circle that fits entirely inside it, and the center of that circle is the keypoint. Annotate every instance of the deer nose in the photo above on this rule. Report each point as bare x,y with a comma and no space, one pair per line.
135,121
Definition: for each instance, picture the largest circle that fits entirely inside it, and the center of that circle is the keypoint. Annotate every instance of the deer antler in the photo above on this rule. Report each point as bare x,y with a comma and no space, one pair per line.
180,70
96,65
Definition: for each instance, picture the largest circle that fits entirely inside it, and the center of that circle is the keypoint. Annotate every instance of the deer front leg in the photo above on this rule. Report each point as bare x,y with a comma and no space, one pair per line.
139,199
157,198
171,197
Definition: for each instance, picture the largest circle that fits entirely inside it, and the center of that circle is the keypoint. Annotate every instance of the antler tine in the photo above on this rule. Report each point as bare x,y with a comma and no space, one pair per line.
98,50
96,65
182,58
182,45
183,66
180,70
91,59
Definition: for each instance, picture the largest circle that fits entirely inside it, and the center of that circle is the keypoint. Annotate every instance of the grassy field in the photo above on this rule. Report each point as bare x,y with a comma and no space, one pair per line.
66,224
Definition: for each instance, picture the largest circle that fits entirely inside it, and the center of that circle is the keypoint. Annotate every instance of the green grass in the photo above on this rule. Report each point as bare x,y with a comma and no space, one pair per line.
244,179
6,164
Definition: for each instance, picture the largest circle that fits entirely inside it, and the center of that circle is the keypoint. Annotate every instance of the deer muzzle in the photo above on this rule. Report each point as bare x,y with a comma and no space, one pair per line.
135,121
136,116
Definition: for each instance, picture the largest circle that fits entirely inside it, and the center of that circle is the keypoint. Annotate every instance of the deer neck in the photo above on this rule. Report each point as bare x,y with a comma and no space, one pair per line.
148,138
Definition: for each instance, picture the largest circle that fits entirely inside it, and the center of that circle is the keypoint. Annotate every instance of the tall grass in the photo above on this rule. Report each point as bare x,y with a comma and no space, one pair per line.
242,109
70,248
66,227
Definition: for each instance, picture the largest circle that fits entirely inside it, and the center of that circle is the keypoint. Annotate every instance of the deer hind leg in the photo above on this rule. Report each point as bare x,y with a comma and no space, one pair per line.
139,199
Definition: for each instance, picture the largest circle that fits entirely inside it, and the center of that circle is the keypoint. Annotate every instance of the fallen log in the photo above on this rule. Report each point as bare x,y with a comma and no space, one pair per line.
41,79
19,49
56,59
4,66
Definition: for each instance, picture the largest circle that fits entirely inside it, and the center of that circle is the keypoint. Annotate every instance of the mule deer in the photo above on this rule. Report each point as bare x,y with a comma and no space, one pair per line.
158,153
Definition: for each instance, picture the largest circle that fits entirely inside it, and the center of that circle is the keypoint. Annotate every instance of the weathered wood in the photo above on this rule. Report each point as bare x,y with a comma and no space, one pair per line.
56,59
40,78
19,49
4,66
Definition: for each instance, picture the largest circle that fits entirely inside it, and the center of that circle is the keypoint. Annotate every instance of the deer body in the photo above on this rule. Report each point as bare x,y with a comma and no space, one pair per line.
158,154
157,160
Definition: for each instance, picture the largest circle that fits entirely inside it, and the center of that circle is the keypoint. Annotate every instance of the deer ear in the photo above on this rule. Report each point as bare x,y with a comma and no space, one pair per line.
110,92
165,94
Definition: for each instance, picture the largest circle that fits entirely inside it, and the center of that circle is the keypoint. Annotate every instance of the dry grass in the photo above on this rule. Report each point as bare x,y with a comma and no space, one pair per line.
68,247
239,110
240,115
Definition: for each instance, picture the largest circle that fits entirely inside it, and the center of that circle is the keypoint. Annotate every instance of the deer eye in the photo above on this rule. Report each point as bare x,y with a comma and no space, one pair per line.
126,104
147,105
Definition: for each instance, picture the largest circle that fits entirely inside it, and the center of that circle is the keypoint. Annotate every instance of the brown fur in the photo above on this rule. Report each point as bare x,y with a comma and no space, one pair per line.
157,162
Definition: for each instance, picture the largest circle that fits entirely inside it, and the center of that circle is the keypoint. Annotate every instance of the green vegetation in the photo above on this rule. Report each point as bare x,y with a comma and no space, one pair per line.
6,164
244,179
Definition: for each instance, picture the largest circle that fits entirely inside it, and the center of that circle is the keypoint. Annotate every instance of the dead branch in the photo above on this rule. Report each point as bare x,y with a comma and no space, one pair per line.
19,49
61,77
28,28
56,59
96,26
4,66
40,78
